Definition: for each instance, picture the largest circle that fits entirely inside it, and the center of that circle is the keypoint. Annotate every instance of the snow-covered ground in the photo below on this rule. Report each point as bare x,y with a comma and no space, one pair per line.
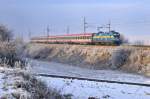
67,70
8,83
1,83
81,89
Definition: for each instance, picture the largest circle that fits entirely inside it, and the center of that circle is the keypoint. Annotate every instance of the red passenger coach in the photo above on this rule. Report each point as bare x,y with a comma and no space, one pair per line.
85,38
38,40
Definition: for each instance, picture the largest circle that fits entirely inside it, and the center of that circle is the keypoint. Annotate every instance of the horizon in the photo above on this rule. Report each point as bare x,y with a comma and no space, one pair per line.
131,18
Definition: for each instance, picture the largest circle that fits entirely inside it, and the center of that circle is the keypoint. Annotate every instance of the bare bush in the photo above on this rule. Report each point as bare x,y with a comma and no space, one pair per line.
24,85
119,57
5,33
37,88
11,53
9,56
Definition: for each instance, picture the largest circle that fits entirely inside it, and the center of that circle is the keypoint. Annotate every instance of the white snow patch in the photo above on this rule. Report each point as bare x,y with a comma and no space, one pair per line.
81,89
1,83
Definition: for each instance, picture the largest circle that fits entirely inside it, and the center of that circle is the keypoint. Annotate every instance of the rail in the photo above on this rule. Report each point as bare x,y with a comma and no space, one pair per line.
96,80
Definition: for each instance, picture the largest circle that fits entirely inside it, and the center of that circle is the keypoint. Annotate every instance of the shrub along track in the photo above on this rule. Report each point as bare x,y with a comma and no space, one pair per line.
96,80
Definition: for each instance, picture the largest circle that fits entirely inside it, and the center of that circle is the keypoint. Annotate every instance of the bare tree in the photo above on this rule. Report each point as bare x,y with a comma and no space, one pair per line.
5,33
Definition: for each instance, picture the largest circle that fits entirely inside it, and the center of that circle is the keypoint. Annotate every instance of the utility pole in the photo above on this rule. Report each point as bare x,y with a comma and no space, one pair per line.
68,30
84,25
48,30
109,26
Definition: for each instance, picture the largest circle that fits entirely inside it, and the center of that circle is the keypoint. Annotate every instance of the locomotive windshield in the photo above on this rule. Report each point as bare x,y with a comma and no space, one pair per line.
116,34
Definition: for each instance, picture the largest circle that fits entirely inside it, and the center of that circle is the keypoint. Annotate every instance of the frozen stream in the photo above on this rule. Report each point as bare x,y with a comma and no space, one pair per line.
67,70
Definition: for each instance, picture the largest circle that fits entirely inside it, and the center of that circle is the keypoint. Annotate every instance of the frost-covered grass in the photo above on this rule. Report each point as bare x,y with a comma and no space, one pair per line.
125,58
81,89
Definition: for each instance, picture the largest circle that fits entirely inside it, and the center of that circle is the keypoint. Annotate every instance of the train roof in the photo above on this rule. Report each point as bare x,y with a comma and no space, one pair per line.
66,35
81,34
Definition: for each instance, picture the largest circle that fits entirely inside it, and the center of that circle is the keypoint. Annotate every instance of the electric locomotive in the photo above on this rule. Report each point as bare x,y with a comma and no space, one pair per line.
111,37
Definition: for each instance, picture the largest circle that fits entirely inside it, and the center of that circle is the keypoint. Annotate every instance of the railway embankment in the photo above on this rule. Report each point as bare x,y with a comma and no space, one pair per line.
124,58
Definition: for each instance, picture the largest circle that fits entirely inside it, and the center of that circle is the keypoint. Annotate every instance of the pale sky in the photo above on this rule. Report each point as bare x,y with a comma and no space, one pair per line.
129,17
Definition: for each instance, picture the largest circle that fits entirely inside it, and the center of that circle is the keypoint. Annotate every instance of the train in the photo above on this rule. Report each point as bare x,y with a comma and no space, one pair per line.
102,38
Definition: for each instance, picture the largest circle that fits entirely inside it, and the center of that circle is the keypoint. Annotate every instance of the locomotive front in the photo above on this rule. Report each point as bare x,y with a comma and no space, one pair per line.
111,37
116,37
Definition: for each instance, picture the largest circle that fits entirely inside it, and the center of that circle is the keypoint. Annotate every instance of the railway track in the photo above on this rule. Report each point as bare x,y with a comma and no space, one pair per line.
96,80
